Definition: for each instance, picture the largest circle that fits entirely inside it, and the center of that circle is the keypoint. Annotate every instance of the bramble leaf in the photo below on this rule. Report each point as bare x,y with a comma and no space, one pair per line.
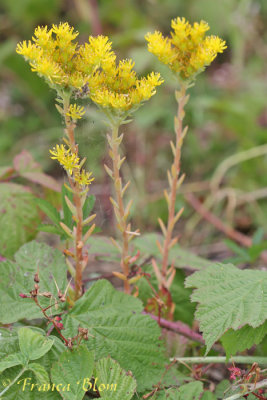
19,217
73,370
17,277
33,345
242,339
11,360
9,345
119,329
228,298
26,387
109,373
189,391
40,373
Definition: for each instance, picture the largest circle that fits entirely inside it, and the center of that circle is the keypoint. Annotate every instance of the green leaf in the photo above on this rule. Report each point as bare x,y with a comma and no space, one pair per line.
208,396
73,370
242,339
9,344
40,373
32,344
182,258
228,298
19,217
11,360
237,249
102,248
26,387
50,229
116,384
184,308
66,211
88,206
17,277
190,391
119,329
167,394
49,210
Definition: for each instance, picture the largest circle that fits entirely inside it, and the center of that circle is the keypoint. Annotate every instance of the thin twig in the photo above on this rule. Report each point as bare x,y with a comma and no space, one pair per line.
215,221
180,328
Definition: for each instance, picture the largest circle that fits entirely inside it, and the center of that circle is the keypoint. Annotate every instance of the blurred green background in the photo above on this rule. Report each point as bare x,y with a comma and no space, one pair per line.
227,111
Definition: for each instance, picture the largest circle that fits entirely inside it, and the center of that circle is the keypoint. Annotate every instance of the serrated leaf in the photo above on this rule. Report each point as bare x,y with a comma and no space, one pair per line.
228,298
9,343
26,387
168,394
11,360
88,206
109,373
189,391
49,210
73,370
17,277
242,339
40,373
181,257
19,217
32,344
119,330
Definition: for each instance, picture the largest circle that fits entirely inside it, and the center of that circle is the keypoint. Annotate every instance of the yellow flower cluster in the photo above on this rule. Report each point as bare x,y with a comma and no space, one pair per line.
187,51
68,66
75,112
71,163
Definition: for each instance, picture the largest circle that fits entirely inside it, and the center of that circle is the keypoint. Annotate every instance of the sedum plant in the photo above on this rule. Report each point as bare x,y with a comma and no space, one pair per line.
187,52
58,340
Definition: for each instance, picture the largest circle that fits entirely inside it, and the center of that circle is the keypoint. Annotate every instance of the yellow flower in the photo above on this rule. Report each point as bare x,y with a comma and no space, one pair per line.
29,50
42,38
65,158
83,178
46,68
64,33
75,112
187,51
95,54
113,86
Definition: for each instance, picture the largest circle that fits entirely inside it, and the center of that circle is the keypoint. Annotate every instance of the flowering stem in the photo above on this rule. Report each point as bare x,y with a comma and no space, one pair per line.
174,183
77,199
121,213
